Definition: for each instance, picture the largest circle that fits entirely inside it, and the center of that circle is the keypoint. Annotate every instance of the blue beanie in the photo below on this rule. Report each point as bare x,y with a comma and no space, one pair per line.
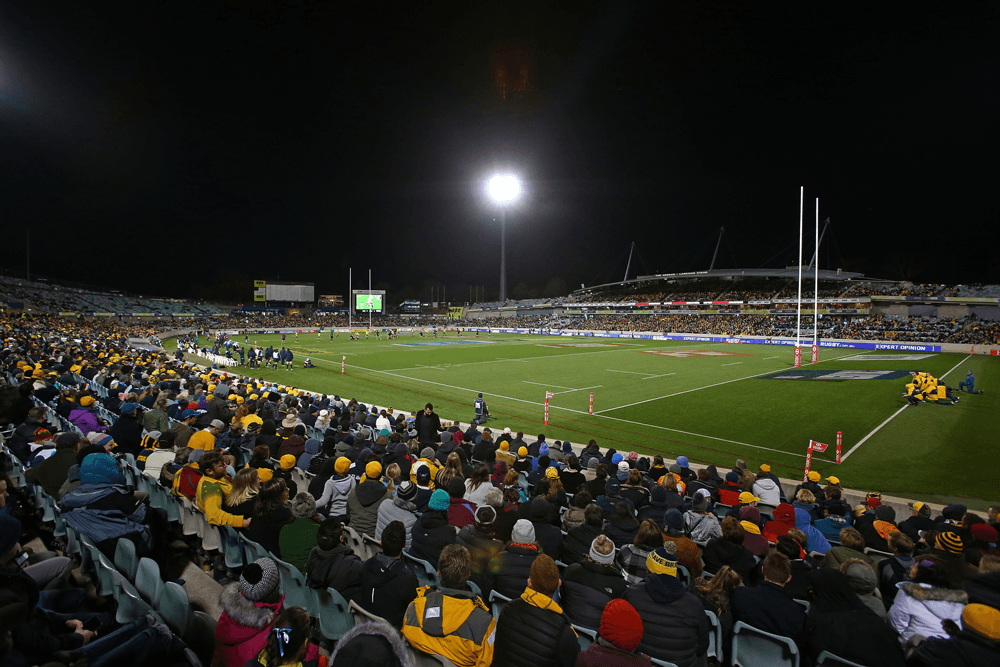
733,477
567,447
439,500
10,533
682,461
616,459
100,469
128,408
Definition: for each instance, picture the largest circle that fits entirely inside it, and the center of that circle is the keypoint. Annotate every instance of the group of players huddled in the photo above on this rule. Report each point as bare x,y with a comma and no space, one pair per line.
924,387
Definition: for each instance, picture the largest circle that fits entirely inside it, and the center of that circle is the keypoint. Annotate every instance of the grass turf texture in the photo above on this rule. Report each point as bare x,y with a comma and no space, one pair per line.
708,401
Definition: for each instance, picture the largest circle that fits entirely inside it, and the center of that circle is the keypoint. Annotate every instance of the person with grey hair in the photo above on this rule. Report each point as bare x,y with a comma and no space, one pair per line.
298,537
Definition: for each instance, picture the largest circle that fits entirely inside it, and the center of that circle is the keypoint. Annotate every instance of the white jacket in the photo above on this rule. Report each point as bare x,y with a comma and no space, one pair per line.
920,608
768,491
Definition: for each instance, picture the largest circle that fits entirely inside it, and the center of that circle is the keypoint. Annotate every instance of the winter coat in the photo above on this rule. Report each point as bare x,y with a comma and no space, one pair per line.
333,501
920,608
509,570
621,531
602,654
836,556
532,631
631,561
855,635
963,650
297,539
675,627
482,548
461,512
85,420
768,491
243,627
387,588
452,623
371,644
768,607
431,534
51,473
816,541
720,552
576,544
363,503
586,588
265,530
397,510
337,568
702,527
572,517
127,433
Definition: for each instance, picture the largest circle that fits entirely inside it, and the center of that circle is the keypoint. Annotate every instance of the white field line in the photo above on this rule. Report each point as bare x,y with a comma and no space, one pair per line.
733,364
766,358
653,377
709,386
611,370
894,415
582,412
542,384
580,389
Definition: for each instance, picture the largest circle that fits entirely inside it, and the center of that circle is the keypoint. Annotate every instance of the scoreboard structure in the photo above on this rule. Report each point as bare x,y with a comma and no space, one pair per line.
284,292
369,301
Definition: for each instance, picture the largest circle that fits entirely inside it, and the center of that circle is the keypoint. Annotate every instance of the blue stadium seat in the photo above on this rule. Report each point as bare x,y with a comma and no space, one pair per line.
753,647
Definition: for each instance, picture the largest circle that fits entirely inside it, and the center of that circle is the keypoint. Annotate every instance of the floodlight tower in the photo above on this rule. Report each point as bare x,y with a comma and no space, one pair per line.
504,189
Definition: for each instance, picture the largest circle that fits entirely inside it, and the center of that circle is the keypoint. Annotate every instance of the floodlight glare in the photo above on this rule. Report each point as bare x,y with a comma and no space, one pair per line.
504,188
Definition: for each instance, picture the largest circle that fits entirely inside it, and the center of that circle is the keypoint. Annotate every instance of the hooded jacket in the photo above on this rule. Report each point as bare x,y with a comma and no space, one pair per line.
816,541
549,537
337,568
720,552
675,627
532,631
621,531
863,582
509,570
397,510
431,533
920,608
366,644
333,501
363,503
702,527
576,544
85,420
784,521
242,630
768,491
387,588
482,547
452,623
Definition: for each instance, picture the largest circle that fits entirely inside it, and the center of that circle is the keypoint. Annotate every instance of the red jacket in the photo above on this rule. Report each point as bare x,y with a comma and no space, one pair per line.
243,628
461,512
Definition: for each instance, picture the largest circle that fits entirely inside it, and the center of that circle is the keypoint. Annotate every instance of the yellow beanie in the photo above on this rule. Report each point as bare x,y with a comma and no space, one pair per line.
814,476
504,446
522,451
264,474
87,401
552,472
373,470
342,465
287,462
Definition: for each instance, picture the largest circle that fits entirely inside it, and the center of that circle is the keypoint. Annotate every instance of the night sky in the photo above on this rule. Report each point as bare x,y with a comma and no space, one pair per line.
184,148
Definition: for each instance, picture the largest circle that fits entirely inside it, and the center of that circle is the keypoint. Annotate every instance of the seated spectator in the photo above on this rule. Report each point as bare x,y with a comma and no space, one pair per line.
400,509
676,628
728,550
688,553
716,593
703,482
288,643
801,570
284,471
817,543
298,538
461,512
852,545
699,522
157,451
364,500
270,514
622,527
213,487
387,585
767,605
51,473
977,643
295,444
509,569
532,630
753,540
574,515
571,477
619,635
480,540
631,559
784,521
33,431
249,608
205,438
842,624
169,470
926,600
431,533
807,501
332,564
832,522
864,583
596,486
589,585
876,534
633,489
186,479
478,484
812,484
730,490
336,490
243,496
576,544
371,644
767,488
895,569
451,621
919,520
548,536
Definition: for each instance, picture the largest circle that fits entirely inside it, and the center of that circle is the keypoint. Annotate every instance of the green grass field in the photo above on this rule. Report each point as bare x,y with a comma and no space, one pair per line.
711,402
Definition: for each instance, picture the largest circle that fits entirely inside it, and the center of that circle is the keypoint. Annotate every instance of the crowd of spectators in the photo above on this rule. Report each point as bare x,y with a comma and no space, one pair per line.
56,298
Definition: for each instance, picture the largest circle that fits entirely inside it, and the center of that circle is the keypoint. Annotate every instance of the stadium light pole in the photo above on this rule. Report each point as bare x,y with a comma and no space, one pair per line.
503,188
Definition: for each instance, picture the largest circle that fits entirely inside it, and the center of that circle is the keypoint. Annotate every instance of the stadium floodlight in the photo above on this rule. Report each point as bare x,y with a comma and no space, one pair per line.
504,189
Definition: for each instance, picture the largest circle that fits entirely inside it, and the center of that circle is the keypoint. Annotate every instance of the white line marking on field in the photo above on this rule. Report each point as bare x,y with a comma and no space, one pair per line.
766,358
611,370
894,415
733,364
709,386
541,384
580,389
653,377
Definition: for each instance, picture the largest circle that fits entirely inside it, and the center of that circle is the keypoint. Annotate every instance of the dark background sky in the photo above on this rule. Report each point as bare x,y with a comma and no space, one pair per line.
181,147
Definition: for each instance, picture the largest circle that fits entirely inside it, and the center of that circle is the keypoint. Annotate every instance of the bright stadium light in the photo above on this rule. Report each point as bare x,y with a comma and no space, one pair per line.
504,188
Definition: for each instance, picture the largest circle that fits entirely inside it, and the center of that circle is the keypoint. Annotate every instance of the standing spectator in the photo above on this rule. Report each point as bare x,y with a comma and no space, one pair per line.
451,621
619,636
532,631
676,628
387,585
428,425
332,564
767,606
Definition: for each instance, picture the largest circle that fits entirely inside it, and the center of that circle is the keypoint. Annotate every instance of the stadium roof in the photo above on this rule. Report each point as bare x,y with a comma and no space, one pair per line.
792,272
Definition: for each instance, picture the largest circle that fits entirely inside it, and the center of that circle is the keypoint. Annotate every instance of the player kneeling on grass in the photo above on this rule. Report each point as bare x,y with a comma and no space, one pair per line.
308,363
912,394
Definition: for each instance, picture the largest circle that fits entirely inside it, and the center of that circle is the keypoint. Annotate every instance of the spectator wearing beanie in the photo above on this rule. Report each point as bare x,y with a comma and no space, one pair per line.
284,470
249,606
332,564
975,645
730,490
400,509
509,570
431,532
620,633
675,624
688,553
590,584
753,540
298,537
387,585
295,444
864,583
480,540
657,505
812,484
461,512
784,521
532,630
578,540
548,536
422,476
622,525
364,500
336,490
700,523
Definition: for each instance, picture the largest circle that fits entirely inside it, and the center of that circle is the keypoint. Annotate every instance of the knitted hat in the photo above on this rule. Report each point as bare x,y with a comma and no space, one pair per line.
982,620
86,401
751,514
673,520
984,532
263,474
504,446
10,533
303,505
617,458
950,542
593,463
373,470
288,462
663,560
954,512
596,550
543,450
260,580
920,508
300,429
523,533
833,480
342,465
486,517
552,472
814,476
100,469
129,408
633,456
700,503
733,477
456,487
682,461
439,500
67,439
621,625
885,513
658,496
765,467
406,491
567,447
427,453
522,451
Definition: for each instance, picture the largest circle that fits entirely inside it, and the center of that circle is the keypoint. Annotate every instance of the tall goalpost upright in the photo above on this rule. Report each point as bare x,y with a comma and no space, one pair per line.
798,301
815,347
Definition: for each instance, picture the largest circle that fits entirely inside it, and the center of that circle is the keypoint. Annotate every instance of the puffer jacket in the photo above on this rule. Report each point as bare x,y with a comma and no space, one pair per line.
85,420
509,570
388,587
431,534
337,568
702,527
532,631
482,548
243,627
577,543
817,542
397,510
333,502
920,608
621,531
720,552
452,623
586,588
675,627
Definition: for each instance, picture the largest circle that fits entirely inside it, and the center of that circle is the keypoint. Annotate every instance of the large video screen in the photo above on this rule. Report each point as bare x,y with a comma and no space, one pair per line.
368,302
